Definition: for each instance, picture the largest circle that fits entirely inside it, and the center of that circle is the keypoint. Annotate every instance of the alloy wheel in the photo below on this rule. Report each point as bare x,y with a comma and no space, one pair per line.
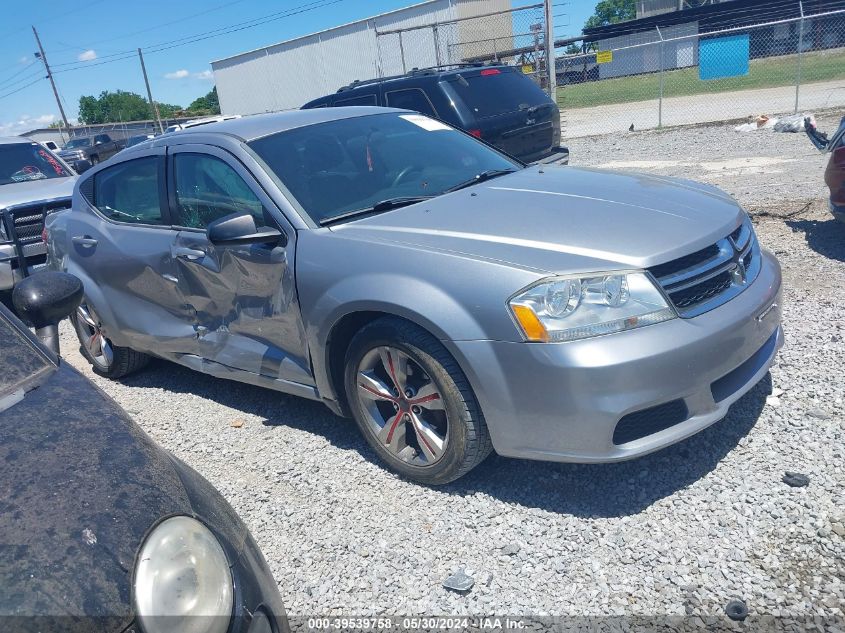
91,336
403,406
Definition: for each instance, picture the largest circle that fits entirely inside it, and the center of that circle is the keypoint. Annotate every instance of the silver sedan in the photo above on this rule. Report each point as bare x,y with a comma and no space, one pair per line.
451,299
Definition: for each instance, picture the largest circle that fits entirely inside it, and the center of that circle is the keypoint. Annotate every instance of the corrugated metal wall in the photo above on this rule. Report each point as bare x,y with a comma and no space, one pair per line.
286,75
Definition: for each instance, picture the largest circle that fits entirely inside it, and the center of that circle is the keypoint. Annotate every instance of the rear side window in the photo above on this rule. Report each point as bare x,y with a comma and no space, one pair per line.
411,99
364,100
128,192
208,189
496,92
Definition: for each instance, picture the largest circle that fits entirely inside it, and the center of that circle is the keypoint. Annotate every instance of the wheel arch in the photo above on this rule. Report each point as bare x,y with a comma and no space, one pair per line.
341,333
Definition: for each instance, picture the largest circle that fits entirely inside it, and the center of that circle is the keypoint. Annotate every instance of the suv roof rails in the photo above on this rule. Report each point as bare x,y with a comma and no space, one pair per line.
429,70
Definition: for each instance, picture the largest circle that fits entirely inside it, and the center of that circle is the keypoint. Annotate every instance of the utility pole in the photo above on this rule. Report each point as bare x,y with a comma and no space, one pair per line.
153,104
43,57
551,67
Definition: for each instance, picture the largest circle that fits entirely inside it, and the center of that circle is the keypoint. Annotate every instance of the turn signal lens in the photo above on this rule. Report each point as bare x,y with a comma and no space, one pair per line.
530,324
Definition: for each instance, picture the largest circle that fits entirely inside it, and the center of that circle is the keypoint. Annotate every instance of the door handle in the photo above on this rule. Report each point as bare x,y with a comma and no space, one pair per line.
188,253
84,240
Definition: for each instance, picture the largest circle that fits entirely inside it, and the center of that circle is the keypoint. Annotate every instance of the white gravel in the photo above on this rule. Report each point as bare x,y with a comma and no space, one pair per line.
680,532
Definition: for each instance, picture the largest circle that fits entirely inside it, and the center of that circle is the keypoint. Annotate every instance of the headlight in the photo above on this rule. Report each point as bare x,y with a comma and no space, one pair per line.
570,308
182,580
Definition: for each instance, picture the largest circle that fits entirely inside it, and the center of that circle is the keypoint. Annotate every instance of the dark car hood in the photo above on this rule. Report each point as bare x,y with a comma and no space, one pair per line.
559,219
80,485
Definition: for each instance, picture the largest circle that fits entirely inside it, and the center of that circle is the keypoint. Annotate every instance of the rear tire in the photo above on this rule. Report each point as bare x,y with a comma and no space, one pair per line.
106,358
392,355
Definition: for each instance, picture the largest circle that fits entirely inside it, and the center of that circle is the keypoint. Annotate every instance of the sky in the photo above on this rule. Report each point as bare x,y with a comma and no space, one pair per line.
90,45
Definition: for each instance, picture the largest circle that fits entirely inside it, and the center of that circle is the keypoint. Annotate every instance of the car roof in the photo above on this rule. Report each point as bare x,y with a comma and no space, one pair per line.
249,128
435,72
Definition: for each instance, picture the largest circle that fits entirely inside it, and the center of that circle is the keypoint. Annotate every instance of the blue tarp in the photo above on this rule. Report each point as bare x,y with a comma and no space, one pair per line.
723,57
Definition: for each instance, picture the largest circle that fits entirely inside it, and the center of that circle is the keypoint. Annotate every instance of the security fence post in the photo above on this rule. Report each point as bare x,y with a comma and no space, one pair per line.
660,99
436,43
402,53
800,50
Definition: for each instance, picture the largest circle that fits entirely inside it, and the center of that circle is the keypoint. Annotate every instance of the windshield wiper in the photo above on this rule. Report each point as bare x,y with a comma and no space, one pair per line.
382,205
484,175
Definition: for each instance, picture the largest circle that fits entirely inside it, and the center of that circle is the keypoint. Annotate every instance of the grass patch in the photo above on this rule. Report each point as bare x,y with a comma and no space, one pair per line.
763,73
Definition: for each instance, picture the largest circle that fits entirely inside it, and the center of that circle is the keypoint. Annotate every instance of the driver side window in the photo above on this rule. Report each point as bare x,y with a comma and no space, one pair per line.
208,189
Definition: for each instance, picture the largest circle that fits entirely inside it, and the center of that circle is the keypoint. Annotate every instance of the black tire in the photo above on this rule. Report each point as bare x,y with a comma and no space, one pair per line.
94,160
467,438
124,361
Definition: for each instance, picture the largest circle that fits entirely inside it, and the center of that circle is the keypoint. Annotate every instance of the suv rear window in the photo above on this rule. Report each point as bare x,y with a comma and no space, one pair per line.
496,92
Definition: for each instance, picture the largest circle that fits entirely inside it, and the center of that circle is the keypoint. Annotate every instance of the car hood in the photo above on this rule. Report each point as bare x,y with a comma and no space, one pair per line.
81,485
560,219
36,191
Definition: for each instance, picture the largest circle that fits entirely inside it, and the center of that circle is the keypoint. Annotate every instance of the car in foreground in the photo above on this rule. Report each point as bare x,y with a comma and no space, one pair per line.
33,183
448,297
498,104
101,529
81,151
834,175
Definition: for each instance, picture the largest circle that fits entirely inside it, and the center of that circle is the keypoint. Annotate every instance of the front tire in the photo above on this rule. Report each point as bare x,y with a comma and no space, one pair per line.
106,358
413,403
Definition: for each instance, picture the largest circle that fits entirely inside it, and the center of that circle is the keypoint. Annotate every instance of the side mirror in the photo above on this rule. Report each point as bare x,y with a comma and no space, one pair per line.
44,299
239,228
81,166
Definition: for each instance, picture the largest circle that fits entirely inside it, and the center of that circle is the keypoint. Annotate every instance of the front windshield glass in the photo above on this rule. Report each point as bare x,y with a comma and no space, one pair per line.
21,362
78,142
342,166
22,162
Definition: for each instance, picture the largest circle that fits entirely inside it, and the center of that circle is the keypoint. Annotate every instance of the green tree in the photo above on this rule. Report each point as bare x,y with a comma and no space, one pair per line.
207,104
611,12
111,107
168,110
573,49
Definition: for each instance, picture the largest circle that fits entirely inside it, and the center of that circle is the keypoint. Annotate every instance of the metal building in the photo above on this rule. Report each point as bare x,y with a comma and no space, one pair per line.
285,75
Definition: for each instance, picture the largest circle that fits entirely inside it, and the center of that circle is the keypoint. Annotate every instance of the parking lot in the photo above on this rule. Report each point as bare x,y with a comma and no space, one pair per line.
679,532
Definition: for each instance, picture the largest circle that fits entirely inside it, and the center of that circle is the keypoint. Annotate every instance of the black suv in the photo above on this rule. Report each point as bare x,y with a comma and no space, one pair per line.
497,104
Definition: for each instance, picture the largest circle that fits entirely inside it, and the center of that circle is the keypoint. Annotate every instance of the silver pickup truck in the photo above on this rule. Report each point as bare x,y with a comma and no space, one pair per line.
33,183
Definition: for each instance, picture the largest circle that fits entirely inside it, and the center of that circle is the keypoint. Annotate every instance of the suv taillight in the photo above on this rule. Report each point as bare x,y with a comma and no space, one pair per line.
475,132
490,71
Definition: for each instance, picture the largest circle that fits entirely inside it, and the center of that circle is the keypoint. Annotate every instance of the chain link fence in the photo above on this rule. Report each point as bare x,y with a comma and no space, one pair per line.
511,36
680,75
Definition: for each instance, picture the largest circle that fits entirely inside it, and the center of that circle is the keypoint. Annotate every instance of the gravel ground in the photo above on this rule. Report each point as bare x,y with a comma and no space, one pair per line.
679,532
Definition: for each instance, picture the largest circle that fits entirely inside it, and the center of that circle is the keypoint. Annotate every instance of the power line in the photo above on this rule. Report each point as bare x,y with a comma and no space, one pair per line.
7,85
205,35
9,94
192,16
20,72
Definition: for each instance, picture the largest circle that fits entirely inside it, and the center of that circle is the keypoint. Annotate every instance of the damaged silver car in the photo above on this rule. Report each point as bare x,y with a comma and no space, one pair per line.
451,299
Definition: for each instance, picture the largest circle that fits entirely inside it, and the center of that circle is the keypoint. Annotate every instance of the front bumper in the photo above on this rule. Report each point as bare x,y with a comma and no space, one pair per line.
563,401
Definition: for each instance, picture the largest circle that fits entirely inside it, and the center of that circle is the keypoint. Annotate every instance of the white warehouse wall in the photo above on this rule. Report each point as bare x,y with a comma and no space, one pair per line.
286,75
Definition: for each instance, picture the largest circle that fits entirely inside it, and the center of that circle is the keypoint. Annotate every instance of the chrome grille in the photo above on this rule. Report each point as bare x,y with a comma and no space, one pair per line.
24,225
707,278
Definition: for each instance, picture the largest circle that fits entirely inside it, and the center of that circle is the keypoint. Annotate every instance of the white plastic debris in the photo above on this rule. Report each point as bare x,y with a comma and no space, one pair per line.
791,123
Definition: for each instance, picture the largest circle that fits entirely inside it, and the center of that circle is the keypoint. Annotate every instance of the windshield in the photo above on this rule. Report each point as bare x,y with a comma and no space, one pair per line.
21,362
22,162
494,92
342,166
78,142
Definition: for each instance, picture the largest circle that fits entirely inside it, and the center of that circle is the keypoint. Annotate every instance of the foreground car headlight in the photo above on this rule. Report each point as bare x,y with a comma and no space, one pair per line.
570,308
182,580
